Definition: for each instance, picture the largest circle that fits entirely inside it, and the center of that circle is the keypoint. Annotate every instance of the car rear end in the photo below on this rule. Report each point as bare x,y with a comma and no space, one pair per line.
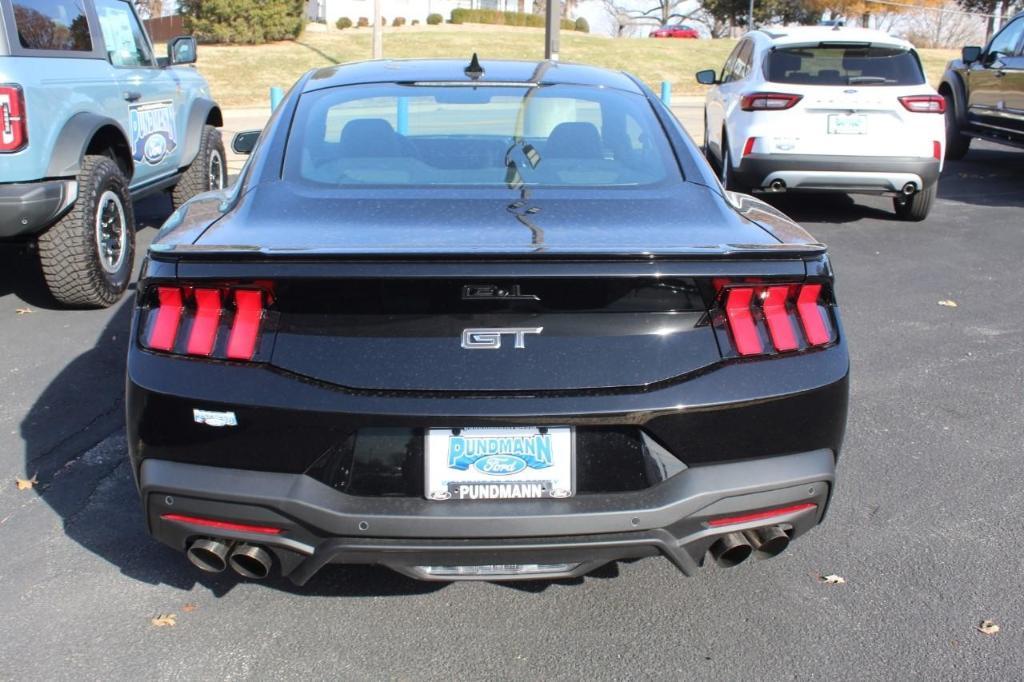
840,116
501,380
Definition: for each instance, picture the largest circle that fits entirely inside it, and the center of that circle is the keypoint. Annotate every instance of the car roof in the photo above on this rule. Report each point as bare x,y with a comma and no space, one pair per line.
454,70
812,35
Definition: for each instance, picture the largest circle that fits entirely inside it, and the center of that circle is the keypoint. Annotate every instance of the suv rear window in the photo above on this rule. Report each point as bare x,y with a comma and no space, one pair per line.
494,136
52,25
844,65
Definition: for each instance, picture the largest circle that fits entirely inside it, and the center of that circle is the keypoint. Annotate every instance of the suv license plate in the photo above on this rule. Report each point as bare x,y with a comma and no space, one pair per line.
514,463
847,124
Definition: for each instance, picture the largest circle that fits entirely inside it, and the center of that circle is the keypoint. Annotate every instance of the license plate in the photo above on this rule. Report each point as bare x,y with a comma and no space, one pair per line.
513,463
847,124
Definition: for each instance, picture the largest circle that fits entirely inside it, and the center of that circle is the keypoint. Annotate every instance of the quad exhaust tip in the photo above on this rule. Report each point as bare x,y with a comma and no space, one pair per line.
769,541
208,555
250,561
731,550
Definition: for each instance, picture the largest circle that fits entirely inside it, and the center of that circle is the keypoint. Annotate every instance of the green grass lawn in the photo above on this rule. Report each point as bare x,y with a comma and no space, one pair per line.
240,76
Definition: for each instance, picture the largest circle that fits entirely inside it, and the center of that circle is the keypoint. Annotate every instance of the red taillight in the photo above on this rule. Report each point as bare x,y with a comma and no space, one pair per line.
246,329
761,515
203,314
924,104
768,101
13,125
168,316
782,310
222,525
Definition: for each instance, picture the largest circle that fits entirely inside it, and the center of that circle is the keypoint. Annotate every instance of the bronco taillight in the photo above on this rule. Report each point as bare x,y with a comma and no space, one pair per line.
775,318
13,126
223,322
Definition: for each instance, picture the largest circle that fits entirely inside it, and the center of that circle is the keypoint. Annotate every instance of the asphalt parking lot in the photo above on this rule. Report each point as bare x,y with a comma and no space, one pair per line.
925,526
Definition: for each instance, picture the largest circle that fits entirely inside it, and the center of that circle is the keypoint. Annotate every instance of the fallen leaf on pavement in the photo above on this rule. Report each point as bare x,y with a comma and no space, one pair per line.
189,608
833,579
24,311
165,619
987,627
948,303
26,483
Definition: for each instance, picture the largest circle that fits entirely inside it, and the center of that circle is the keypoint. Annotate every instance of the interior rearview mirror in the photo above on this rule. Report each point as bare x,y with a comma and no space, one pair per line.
245,141
707,77
970,54
181,50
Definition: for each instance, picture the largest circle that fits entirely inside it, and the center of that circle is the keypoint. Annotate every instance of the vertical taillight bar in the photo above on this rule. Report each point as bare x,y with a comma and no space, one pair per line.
246,327
13,125
741,321
777,316
168,316
810,315
204,327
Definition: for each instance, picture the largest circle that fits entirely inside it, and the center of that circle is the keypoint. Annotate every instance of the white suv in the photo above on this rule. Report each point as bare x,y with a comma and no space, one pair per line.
826,110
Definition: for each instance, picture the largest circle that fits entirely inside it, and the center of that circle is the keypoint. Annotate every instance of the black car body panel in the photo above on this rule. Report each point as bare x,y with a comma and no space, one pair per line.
384,315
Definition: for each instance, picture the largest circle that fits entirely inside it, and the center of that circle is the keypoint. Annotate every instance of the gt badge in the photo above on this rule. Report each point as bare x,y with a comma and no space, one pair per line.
490,337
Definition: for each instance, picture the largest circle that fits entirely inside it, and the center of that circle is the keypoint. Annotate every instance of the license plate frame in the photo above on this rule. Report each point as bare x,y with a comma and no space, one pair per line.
506,463
842,124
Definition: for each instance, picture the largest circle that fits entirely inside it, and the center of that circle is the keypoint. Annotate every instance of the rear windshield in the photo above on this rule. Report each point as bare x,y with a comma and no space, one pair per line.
492,136
844,65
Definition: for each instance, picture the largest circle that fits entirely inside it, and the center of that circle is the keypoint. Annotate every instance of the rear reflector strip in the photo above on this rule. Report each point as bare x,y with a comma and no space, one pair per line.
761,515
937,150
222,525
165,329
810,315
749,146
775,314
741,321
245,331
204,327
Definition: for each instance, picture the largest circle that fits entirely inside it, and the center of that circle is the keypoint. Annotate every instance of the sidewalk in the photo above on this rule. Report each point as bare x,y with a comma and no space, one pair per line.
689,110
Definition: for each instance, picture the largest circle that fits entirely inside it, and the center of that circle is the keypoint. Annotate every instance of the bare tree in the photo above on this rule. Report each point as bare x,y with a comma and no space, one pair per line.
658,13
149,9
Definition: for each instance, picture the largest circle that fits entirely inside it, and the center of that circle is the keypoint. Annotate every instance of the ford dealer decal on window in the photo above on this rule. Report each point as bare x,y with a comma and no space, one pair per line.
152,130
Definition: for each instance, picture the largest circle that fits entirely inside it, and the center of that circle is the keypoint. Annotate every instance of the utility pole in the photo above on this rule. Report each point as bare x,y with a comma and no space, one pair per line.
750,17
552,25
378,47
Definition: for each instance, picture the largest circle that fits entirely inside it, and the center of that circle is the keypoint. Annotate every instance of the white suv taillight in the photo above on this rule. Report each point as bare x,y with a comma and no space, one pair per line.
924,104
13,126
768,101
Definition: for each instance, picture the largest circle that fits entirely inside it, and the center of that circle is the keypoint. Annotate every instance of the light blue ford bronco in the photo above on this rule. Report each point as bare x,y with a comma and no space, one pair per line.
90,120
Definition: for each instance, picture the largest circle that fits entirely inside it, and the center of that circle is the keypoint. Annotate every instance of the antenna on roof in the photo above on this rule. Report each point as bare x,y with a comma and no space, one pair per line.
474,70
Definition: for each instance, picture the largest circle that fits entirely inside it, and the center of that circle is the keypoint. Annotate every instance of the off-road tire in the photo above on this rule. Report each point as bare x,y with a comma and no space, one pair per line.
916,208
69,250
197,178
957,143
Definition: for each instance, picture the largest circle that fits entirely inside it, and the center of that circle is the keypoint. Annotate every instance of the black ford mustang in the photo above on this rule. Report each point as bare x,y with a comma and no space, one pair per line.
493,321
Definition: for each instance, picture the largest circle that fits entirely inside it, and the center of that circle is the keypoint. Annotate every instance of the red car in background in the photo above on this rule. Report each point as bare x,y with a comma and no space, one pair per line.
675,31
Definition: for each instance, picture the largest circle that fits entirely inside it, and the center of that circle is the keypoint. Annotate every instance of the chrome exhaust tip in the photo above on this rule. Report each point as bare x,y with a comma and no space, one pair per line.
731,549
909,189
208,555
778,186
250,561
769,541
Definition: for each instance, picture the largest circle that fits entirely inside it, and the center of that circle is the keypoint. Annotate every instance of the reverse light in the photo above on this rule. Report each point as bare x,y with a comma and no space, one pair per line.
924,104
793,315
204,321
761,515
13,124
222,525
768,101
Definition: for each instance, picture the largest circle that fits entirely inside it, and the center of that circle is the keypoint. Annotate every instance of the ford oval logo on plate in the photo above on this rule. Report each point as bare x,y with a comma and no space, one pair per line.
500,465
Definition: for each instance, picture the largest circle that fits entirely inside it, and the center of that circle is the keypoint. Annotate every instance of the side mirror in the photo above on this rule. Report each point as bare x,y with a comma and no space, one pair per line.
181,50
970,54
707,77
245,141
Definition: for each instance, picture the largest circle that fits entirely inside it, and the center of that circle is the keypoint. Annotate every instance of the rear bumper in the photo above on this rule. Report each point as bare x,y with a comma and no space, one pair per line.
27,208
322,526
856,174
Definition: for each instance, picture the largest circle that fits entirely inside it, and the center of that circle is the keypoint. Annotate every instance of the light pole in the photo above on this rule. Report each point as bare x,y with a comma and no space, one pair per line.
750,17
378,47
552,24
